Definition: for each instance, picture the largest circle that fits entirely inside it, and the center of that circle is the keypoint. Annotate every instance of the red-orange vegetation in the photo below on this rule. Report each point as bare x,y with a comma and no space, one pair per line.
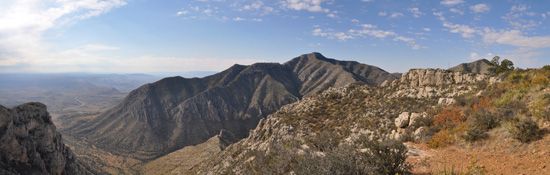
449,117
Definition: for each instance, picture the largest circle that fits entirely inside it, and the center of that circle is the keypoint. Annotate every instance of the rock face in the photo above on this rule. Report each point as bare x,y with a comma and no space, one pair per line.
30,144
481,66
428,83
402,121
175,112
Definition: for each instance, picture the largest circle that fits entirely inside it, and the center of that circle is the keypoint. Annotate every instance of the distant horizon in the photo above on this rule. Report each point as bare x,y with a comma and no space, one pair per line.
207,73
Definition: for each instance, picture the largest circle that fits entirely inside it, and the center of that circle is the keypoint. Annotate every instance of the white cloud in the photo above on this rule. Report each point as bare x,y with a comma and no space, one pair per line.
426,29
258,6
525,57
476,56
373,31
366,30
464,30
98,47
457,11
182,13
451,2
411,42
515,38
519,17
396,15
391,15
23,23
480,8
238,19
415,11
331,35
307,5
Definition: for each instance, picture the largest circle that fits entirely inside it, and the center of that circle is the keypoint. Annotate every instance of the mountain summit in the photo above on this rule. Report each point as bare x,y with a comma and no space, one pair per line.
482,66
175,112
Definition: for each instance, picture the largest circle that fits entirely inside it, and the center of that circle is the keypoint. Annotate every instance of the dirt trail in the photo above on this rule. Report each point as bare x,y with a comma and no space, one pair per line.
496,156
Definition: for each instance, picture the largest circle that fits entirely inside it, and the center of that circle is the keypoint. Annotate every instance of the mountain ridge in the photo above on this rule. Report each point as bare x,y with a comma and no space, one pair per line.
175,112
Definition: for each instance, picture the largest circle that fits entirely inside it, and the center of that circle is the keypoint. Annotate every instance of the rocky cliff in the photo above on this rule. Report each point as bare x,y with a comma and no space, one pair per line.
423,83
175,112
30,144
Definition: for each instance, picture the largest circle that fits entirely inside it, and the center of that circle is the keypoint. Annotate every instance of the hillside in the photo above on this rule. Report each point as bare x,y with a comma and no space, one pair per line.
306,132
434,112
175,112
30,144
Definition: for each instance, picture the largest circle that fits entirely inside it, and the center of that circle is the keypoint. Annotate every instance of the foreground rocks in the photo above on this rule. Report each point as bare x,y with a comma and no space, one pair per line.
30,144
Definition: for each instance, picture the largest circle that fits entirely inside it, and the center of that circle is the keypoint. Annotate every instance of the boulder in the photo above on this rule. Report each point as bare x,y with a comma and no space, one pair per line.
402,121
446,101
415,118
420,133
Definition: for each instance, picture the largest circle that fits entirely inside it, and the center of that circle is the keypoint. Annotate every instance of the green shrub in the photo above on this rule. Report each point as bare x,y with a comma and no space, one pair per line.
386,157
524,130
474,134
483,120
441,139
324,141
478,124
540,107
381,157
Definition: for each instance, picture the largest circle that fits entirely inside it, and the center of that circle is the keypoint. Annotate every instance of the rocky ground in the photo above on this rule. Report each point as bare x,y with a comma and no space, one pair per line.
495,156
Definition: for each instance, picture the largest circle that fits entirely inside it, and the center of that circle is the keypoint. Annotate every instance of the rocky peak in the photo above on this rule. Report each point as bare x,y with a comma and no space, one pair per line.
30,144
482,66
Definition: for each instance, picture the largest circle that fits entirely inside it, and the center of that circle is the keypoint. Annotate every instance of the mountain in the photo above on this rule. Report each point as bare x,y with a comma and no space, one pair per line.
333,132
425,120
175,112
481,66
30,144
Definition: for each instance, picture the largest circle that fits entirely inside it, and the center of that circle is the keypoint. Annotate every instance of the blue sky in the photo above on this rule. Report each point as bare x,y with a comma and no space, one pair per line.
147,36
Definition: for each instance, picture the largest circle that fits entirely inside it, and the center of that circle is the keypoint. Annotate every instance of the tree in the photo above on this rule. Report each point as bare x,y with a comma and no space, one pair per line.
495,60
507,64
501,66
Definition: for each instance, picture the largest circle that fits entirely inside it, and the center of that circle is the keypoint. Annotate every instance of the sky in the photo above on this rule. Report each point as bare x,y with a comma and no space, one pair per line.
152,36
